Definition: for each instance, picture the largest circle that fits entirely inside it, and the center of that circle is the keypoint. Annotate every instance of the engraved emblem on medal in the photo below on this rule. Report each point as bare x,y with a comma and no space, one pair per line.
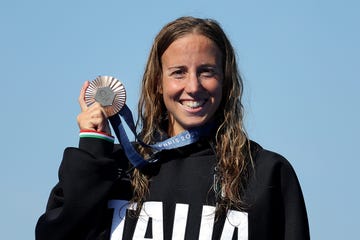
109,92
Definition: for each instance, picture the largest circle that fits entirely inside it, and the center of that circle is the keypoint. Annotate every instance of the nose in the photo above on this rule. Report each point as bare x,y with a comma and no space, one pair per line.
193,83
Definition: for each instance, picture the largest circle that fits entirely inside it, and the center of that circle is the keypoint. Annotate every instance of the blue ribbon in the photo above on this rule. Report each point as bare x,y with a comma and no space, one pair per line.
184,138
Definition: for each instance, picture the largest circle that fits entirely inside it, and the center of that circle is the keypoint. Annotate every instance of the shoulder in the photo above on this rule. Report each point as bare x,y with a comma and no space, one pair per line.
265,157
269,165
273,174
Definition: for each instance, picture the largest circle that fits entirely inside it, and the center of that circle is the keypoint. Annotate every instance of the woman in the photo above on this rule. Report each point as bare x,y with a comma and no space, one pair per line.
223,186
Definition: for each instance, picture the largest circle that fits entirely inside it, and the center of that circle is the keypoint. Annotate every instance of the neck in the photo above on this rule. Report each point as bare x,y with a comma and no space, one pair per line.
208,127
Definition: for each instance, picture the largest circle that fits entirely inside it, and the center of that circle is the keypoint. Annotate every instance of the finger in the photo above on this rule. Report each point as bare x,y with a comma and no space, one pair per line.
104,127
81,99
97,108
103,124
92,118
98,116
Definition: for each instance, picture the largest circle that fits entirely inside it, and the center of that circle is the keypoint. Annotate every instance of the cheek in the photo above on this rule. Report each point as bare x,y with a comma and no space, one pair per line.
171,87
215,88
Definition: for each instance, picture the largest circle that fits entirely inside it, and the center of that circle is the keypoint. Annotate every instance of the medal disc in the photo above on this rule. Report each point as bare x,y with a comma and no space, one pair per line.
109,92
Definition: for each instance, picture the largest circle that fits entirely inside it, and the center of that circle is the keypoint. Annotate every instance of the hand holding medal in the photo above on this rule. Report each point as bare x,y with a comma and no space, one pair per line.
110,93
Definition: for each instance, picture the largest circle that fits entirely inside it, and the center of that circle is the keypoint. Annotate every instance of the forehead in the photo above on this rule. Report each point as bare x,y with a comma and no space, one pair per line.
190,47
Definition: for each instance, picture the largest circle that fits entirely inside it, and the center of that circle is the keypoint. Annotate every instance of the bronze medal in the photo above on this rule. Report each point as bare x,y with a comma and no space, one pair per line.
109,92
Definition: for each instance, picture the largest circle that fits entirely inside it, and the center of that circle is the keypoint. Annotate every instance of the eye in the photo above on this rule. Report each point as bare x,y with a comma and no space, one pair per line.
207,72
178,73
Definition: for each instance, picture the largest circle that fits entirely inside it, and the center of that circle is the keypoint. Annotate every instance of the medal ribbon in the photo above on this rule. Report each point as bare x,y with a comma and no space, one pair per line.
184,138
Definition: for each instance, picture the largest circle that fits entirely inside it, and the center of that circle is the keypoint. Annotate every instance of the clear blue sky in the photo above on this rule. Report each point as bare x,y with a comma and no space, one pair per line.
299,59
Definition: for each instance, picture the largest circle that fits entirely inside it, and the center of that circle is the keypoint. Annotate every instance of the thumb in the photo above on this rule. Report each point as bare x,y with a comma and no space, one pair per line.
81,99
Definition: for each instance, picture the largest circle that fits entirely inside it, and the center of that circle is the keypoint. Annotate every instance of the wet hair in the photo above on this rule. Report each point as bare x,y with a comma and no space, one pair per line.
231,143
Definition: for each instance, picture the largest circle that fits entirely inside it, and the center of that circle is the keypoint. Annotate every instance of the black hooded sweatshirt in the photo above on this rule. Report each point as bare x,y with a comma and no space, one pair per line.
91,199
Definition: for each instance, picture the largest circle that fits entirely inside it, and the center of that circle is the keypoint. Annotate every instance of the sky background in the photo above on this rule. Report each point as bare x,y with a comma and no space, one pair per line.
299,60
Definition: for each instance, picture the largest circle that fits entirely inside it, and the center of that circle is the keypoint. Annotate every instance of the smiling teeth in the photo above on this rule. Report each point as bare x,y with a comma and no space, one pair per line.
193,104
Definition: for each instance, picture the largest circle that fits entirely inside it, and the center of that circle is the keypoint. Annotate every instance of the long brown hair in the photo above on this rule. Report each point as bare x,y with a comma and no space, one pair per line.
230,141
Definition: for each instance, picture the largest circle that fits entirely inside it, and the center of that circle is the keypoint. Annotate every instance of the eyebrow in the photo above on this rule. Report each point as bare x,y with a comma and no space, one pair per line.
180,66
205,65
172,68
208,66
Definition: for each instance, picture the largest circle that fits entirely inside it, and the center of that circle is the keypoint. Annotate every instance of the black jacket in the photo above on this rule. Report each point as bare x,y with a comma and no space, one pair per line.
90,199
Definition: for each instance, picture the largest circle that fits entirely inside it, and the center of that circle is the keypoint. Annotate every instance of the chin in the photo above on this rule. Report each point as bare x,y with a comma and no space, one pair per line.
199,123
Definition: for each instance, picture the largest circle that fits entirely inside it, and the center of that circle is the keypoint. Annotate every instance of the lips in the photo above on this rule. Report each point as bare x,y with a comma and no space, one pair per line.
192,103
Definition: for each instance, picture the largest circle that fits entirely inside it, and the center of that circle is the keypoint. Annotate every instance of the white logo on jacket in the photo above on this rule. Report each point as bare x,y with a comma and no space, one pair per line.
154,210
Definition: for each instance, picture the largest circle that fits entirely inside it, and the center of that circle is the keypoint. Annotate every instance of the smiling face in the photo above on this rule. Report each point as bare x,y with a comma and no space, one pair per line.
191,81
